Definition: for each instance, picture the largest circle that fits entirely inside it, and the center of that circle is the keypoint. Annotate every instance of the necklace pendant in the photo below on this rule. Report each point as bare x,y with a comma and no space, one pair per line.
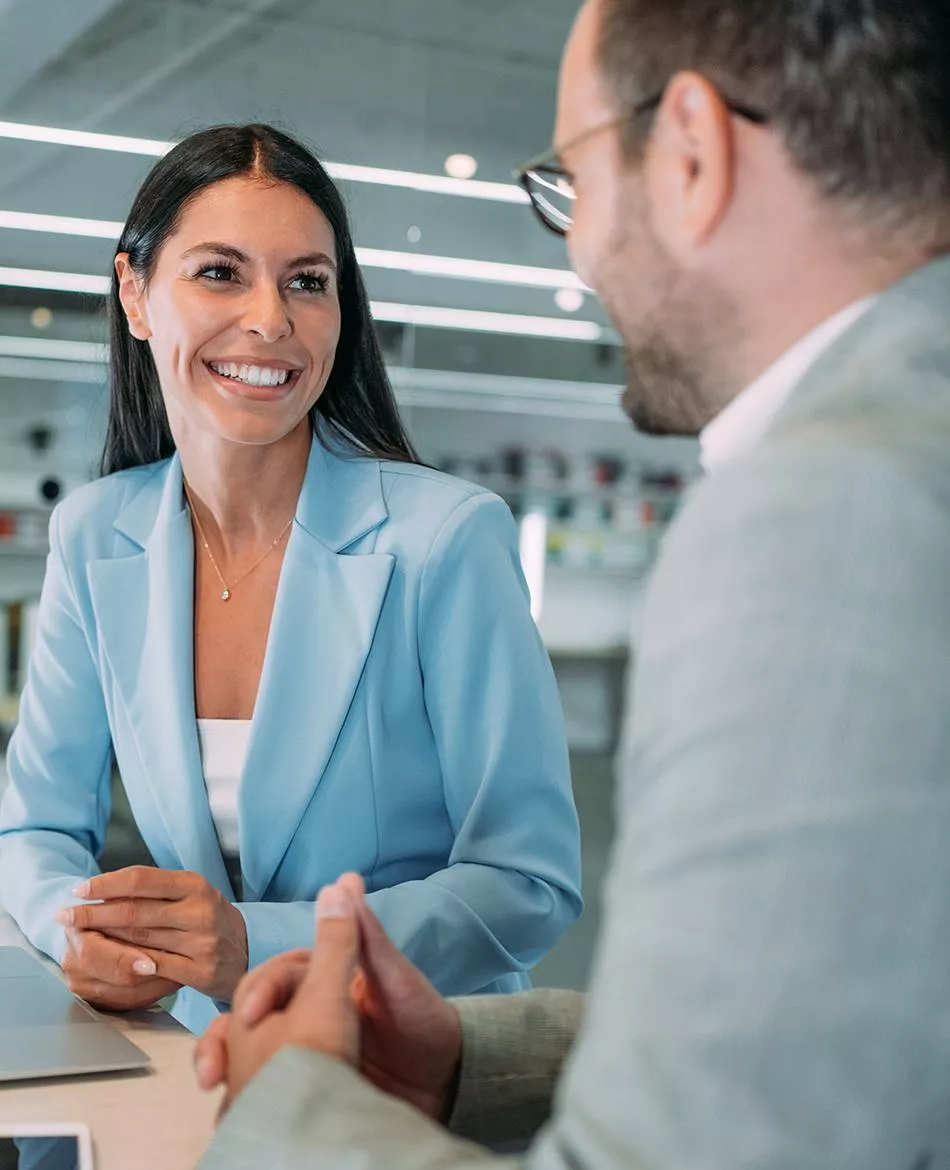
225,594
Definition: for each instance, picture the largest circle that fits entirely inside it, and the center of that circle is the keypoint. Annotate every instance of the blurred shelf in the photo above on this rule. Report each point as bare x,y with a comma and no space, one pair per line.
501,394
555,570
20,548
22,568
618,654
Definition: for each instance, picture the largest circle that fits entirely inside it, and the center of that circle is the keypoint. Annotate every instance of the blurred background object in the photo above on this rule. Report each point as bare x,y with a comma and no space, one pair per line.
506,368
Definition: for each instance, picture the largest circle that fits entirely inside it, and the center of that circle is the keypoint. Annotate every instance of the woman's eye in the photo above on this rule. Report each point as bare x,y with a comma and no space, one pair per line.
220,273
311,282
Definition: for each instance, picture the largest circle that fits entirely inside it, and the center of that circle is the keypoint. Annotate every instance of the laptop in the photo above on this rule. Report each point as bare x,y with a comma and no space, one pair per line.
46,1032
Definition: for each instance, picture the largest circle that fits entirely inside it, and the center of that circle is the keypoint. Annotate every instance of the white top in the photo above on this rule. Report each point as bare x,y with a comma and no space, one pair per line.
224,744
739,427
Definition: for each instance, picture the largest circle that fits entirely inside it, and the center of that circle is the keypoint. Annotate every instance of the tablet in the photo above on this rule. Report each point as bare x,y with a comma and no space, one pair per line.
45,1147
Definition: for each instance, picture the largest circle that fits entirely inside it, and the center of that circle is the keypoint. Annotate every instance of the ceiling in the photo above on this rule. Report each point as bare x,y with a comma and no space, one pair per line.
387,83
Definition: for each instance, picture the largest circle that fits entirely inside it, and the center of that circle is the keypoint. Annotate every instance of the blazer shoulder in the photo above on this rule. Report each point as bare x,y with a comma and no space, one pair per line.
426,499
87,514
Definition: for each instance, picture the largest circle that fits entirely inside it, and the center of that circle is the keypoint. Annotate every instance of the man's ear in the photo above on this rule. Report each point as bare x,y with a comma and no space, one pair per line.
693,162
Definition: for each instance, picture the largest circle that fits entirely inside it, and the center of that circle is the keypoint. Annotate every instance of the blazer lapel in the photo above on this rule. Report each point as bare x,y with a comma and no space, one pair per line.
144,605
325,616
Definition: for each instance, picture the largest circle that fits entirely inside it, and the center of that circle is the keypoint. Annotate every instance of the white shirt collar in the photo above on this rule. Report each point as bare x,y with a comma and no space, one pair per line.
739,427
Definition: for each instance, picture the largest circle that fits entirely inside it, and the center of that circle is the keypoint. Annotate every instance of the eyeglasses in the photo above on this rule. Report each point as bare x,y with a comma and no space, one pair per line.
549,185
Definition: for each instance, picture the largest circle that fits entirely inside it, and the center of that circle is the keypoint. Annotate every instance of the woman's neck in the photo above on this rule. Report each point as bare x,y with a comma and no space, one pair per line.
243,494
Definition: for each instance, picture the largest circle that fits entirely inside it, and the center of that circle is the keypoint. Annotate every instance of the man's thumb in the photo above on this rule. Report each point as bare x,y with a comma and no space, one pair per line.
336,951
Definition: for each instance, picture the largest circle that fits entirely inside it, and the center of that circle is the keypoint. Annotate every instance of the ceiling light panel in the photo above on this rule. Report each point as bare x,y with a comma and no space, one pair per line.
346,172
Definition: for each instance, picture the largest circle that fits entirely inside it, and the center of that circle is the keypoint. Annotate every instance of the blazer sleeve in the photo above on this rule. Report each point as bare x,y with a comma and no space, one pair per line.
512,885
310,1112
514,1048
55,810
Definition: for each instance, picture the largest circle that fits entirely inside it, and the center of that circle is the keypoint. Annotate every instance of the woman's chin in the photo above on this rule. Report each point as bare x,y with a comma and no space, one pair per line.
256,428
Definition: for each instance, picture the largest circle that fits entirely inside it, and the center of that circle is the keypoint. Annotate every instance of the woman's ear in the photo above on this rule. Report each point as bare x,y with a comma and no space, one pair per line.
132,296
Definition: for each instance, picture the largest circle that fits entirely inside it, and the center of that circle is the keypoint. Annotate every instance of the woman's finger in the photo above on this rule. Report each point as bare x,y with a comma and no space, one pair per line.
171,942
141,881
96,957
122,914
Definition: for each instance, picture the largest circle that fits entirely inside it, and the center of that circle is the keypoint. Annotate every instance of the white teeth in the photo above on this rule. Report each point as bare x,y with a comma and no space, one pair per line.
252,375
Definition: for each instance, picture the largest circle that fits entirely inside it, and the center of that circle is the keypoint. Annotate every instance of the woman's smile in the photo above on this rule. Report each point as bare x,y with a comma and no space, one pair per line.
255,380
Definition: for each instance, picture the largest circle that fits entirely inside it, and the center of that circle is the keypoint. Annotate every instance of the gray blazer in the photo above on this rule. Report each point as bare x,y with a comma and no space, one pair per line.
772,990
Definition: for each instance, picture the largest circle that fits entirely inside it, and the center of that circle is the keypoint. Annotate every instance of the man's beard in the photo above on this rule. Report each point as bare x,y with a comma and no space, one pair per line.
677,349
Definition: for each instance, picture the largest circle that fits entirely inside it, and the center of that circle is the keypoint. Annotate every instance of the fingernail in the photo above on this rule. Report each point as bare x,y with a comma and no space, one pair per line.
204,1071
82,890
144,967
334,902
65,917
251,1007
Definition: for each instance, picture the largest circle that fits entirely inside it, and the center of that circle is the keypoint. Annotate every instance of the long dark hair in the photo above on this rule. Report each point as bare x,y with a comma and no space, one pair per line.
357,407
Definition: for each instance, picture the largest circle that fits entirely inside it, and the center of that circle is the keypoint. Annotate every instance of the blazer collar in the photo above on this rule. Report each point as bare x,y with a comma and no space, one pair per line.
868,362
340,502
342,496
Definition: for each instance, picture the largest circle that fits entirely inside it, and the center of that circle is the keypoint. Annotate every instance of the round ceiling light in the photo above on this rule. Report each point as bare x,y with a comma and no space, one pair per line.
569,299
461,166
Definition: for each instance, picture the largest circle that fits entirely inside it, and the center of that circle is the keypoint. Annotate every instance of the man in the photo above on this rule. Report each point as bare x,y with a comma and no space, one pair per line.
763,203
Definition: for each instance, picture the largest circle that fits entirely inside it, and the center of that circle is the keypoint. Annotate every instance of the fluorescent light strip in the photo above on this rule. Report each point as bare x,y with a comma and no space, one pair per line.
61,225
422,315
75,282
533,550
59,137
48,347
432,184
450,266
413,180
418,264
481,322
39,370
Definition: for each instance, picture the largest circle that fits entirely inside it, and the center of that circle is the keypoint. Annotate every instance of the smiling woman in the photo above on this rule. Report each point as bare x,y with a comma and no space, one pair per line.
307,653
267,185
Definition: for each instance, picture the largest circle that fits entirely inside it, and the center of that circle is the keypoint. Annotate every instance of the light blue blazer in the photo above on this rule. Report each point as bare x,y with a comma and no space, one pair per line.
407,726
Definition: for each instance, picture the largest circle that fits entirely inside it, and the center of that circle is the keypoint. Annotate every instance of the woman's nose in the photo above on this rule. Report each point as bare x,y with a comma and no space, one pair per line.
267,314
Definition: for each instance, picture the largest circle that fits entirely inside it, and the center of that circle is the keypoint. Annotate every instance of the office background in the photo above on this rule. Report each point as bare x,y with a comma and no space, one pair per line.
506,368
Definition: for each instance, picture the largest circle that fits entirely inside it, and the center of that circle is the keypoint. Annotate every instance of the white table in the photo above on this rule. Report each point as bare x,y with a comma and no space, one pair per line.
152,1120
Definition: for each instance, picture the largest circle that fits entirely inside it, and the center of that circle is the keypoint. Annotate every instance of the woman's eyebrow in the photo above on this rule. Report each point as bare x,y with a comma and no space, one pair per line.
222,249
312,258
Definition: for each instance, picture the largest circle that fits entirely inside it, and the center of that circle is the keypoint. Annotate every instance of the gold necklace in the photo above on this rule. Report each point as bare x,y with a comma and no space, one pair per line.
226,589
